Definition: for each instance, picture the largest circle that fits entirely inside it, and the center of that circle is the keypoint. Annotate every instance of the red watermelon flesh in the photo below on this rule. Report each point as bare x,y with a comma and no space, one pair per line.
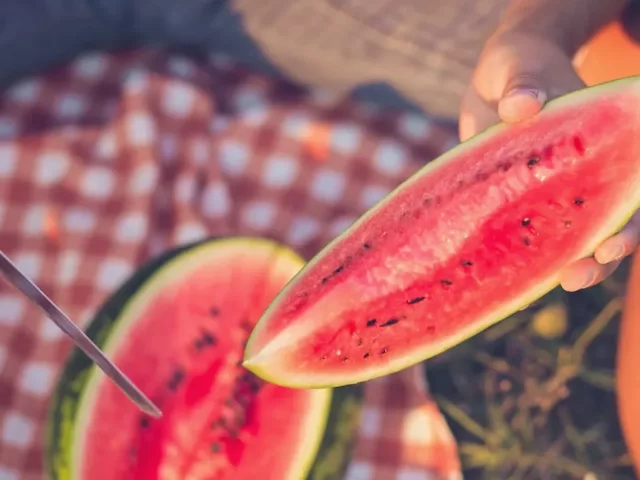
181,340
474,236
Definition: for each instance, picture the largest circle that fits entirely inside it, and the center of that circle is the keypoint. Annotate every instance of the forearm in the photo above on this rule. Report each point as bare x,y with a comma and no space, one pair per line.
569,23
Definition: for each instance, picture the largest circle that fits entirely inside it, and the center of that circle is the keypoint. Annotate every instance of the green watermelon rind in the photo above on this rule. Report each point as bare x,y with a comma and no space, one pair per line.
265,363
340,436
79,372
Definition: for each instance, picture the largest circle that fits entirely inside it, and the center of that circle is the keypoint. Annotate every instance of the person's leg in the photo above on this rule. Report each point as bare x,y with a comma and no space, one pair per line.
39,34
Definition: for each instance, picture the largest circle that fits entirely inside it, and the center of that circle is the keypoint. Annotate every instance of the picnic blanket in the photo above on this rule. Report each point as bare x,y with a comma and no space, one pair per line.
118,157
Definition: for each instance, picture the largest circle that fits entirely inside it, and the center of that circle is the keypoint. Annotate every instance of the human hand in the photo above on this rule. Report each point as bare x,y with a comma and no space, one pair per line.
517,73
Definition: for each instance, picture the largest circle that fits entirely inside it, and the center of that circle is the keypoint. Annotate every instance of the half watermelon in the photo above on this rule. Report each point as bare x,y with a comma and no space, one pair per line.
474,236
178,328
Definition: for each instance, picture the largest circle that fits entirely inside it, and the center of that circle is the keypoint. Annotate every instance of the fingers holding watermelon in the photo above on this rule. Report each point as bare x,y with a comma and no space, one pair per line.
585,273
590,271
516,74
622,244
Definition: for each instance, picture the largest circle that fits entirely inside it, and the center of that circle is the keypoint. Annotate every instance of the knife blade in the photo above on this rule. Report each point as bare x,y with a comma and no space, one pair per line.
20,281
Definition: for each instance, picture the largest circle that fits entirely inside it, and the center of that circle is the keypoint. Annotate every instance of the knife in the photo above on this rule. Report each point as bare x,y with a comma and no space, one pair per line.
84,343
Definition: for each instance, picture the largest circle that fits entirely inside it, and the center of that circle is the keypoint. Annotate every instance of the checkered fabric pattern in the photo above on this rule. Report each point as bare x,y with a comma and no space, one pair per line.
118,157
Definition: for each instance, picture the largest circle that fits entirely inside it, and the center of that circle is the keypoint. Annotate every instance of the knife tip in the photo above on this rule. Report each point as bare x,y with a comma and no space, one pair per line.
150,409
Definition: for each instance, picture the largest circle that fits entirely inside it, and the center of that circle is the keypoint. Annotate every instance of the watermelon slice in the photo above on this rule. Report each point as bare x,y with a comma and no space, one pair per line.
178,328
477,234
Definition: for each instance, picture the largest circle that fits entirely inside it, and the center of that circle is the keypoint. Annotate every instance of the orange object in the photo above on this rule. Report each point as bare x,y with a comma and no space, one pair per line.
628,362
51,226
611,54
317,141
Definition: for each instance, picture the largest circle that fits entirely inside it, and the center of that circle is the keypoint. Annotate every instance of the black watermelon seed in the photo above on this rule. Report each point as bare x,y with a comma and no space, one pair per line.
325,280
388,323
144,422
413,301
339,269
176,380
371,323
215,447
208,338
214,311
446,283
466,263
526,222
366,355
255,387
533,161
579,201
344,359
526,241
504,166
366,246
384,350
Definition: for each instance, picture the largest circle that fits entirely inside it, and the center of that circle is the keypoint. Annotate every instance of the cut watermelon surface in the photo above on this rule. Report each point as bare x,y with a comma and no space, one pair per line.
475,235
178,329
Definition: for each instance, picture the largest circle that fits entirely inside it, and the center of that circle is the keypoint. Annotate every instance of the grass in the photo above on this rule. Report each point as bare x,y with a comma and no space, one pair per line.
533,398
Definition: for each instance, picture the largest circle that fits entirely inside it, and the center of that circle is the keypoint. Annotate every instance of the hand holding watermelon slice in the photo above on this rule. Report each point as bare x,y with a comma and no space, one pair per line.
529,61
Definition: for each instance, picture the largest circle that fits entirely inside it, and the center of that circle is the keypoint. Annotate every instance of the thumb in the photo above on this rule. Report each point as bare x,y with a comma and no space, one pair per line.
525,93
523,98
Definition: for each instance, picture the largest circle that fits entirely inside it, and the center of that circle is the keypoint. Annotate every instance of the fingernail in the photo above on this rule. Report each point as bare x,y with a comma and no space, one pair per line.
614,254
531,92
590,278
